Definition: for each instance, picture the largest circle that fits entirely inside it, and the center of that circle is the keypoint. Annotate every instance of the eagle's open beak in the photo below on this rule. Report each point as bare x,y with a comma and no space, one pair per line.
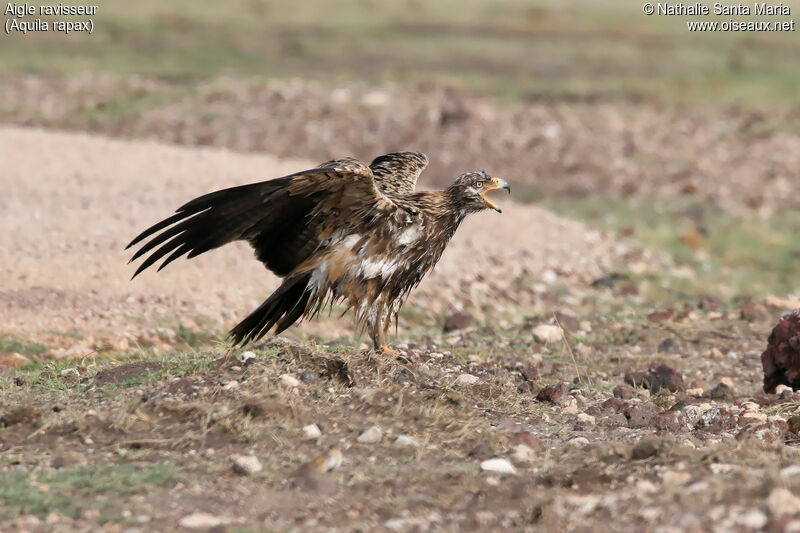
495,183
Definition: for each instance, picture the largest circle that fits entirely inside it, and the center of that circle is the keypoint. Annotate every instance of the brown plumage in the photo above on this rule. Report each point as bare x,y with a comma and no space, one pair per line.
342,232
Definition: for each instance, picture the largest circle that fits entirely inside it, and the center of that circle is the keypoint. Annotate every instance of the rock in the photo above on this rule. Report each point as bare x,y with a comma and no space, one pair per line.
553,393
721,392
68,458
289,382
676,478
641,415
781,359
457,321
231,385
246,465
248,357
658,377
528,439
547,334
467,379
646,448
371,435
748,417
311,432
499,465
578,442
571,408
524,453
202,521
310,377
781,501
626,392
406,442
13,360
753,519
586,419
780,389
794,423
667,345
670,421
660,316
771,432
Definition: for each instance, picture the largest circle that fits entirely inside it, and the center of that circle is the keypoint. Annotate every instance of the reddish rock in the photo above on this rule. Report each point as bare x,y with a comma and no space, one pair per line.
528,439
658,377
626,392
671,421
781,360
641,415
660,316
614,404
529,372
553,393
771,432
721,392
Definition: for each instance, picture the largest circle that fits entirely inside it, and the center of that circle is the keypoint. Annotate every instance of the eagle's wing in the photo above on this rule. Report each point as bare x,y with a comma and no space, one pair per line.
283,219
397,173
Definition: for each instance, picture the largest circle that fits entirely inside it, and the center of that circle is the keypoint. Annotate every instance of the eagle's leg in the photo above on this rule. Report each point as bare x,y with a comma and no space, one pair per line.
379,332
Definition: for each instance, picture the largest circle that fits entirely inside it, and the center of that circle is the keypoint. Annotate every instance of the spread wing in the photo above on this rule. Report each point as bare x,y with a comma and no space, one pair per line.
397,173
283,219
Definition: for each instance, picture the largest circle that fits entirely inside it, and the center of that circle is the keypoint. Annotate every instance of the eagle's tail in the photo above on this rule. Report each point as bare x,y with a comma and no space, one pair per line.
281,309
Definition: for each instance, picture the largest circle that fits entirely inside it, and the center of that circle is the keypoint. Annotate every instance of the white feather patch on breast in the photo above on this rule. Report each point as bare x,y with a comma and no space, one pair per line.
409,235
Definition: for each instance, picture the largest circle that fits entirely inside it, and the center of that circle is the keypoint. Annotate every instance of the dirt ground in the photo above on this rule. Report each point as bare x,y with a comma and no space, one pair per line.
536,386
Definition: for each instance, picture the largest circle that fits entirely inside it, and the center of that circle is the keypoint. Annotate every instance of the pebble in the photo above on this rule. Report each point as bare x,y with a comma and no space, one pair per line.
676,478
524,453
246,465
290,382
547,334
467,379
499,465
752,416
781,501
202,521
552,393
571,408
371,435
406,442
247,356
311,432
578,442
753,519
231,385
586,419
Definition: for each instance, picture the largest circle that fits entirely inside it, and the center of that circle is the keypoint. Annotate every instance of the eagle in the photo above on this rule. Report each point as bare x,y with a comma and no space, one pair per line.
342,233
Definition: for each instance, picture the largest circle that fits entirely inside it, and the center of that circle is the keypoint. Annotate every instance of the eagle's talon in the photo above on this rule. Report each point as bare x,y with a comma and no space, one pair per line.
386,350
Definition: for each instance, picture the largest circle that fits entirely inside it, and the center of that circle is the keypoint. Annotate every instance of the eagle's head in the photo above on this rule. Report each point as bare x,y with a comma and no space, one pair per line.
469,191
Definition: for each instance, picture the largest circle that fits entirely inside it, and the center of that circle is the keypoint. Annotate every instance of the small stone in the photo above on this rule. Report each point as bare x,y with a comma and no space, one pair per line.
499,465
231,385
676,478
586,419
752,416
794,423
248,357
780,389
552,393
311,432
524,453
310,377
625,392
405,441
657,377
781,501
547,334
290,382
202,521
721,392
644,449
246,465
571,408
578,442
641,414
68,458
695,393
467,379
371,435
753,519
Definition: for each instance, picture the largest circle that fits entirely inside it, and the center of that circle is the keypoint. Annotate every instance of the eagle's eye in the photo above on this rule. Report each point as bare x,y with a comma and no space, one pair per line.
479,185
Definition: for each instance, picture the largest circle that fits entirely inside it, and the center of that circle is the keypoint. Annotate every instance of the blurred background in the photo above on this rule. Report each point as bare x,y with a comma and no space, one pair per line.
686,141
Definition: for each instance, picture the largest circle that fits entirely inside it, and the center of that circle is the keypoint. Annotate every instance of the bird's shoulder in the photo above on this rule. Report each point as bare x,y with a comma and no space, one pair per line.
396,173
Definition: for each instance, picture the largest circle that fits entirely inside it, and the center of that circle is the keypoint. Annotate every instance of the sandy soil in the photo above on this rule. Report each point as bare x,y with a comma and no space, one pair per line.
73,201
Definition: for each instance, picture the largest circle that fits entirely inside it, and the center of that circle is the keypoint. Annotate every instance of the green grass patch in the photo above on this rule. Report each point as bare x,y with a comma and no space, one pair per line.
722,254
10,344
72,491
